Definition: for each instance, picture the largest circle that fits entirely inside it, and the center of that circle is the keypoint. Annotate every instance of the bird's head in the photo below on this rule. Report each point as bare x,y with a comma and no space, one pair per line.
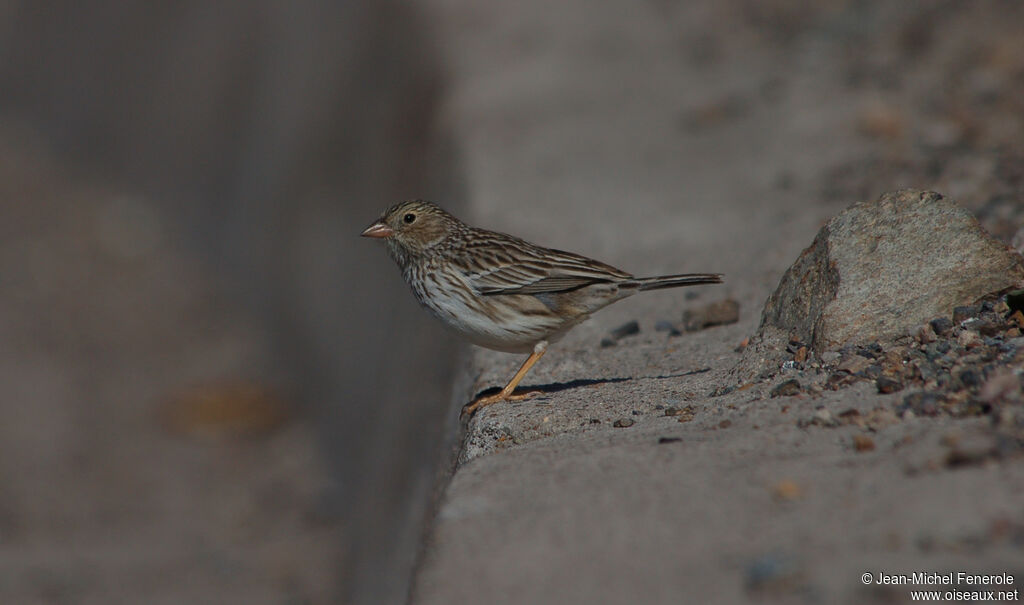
412,228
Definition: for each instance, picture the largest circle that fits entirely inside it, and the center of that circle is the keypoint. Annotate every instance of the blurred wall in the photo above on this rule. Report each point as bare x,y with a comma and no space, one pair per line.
271,133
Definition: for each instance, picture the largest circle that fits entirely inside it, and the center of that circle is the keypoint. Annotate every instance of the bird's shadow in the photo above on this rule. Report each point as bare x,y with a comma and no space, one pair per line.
555,387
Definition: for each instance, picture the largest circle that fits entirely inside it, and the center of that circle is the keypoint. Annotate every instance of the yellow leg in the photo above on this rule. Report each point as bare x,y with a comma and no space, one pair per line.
506,393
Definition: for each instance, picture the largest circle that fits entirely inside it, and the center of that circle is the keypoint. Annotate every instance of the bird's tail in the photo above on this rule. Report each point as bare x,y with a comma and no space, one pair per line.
676,281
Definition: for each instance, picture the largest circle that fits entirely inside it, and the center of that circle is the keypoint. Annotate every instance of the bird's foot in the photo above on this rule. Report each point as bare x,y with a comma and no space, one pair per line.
481,402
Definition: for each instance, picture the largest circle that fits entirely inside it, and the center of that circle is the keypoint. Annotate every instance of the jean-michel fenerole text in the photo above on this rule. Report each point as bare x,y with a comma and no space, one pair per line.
922,578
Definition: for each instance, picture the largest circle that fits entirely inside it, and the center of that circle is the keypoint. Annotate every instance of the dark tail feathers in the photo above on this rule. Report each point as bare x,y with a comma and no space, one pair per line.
675,281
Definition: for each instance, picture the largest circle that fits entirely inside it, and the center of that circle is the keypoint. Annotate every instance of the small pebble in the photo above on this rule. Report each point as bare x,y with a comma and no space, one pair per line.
969,339
624,423
922,403
787,490
775,575
823,417
666,326
969,378
853,364
850,413
879,418
714,314
972,451
786,389
863,443
892,361
937,349
961,314
871,351
941,325
987,328
871,372
924,334
795,345
837,380
685,413
830,356
627,329
887,385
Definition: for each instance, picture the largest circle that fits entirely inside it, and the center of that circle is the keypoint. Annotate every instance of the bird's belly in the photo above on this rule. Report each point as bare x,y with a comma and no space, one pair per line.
509,323
509,339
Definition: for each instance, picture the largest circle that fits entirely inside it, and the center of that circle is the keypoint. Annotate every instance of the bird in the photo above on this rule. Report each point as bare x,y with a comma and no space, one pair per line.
499,291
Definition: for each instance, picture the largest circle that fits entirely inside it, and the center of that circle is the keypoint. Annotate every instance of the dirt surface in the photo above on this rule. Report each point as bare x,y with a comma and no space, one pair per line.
719,136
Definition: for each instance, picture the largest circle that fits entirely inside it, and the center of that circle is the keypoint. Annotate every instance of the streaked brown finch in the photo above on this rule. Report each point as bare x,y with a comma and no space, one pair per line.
499,291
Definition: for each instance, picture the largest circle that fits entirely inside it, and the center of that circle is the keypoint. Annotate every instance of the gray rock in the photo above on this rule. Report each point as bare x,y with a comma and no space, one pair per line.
881,268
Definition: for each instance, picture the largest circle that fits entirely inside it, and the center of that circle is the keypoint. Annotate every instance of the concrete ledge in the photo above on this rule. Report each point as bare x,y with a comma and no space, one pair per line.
669,139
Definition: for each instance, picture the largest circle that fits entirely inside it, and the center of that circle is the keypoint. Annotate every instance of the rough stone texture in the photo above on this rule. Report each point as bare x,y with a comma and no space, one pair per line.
882,268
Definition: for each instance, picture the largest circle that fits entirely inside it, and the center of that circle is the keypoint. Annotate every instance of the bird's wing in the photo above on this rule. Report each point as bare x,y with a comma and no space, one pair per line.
556,283
512,266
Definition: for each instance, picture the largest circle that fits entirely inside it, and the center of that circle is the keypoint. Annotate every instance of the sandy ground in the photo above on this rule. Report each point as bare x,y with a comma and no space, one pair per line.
710,136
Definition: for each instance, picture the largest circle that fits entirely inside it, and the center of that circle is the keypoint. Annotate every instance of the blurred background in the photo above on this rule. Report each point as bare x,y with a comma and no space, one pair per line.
213,391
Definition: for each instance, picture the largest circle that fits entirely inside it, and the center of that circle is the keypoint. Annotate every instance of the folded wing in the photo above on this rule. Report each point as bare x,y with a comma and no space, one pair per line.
514,266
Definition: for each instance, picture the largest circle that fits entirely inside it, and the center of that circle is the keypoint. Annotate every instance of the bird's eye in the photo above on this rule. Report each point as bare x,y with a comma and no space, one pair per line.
409,218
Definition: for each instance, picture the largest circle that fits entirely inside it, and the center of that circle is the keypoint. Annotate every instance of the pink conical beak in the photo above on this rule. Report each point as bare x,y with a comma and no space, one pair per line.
378,230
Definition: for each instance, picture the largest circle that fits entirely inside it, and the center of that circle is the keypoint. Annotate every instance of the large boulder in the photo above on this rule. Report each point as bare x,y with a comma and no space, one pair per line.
883,267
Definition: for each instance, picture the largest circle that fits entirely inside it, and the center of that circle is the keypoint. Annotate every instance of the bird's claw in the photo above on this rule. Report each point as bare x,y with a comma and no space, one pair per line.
473,407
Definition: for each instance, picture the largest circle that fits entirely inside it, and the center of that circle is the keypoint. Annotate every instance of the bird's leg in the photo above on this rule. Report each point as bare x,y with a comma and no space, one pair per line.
506,393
